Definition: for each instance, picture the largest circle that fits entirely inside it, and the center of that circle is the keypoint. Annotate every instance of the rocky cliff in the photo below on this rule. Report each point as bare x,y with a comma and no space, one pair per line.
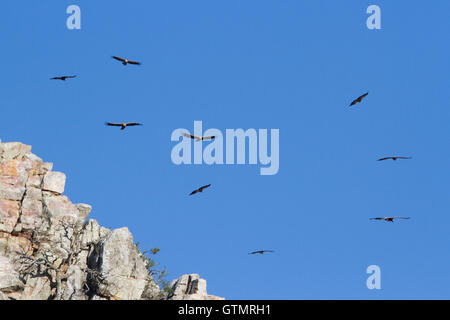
49,251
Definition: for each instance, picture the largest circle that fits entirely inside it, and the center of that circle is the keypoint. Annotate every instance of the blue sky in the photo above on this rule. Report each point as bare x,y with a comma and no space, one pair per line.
289,65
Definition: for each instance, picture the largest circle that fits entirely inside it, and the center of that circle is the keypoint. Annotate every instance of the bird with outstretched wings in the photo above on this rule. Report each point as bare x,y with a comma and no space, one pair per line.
197,138
63,78
393,158
126,61
389,219
123,125
200,189
261,251
359,99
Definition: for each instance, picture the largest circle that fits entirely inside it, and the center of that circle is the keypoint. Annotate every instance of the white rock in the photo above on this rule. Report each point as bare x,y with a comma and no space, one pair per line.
60,208
37,288
84,210
9,278
190,287
9,214
91,233
124,271
14,150
54,181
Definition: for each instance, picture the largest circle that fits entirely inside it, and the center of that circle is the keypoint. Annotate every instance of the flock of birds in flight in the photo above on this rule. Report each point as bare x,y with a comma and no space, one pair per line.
387,219
202,138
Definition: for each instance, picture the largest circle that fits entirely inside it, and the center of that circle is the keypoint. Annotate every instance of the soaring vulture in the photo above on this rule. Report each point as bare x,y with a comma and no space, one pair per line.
359,99
126,61
389,219
393,158
197,138
260,251
123,125
63,78
200,189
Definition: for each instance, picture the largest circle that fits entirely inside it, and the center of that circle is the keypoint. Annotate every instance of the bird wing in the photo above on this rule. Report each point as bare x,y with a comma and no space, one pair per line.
385,158
56,78
134,124
70,76
133,62
401,217
113,124
268,251
359,98
403,157
119,58
204,187
189,135
194,192
193,137
208,137
376,219
363,96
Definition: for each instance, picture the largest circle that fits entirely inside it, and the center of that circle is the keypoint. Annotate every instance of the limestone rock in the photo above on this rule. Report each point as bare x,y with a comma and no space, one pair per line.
60,208
124,272
54,181
84,210
11,244
48,251
91,234
190,287
37,288
32,209
9,214
13,177
9,278
14,150
153,292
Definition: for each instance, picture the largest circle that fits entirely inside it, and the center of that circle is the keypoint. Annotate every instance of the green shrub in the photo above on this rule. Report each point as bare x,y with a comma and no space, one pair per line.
158,274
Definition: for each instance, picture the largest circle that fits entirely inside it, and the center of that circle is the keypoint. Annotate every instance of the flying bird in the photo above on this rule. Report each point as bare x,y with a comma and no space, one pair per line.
197,138
123,125
393,158
63,78
359,99
389,219
126,61
200,189
260,251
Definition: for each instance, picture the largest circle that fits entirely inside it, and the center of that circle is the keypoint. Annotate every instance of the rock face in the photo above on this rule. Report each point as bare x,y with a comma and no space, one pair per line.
49,251
190,287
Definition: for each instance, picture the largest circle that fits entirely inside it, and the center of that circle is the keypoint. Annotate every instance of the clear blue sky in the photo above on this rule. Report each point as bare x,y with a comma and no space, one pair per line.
290,65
